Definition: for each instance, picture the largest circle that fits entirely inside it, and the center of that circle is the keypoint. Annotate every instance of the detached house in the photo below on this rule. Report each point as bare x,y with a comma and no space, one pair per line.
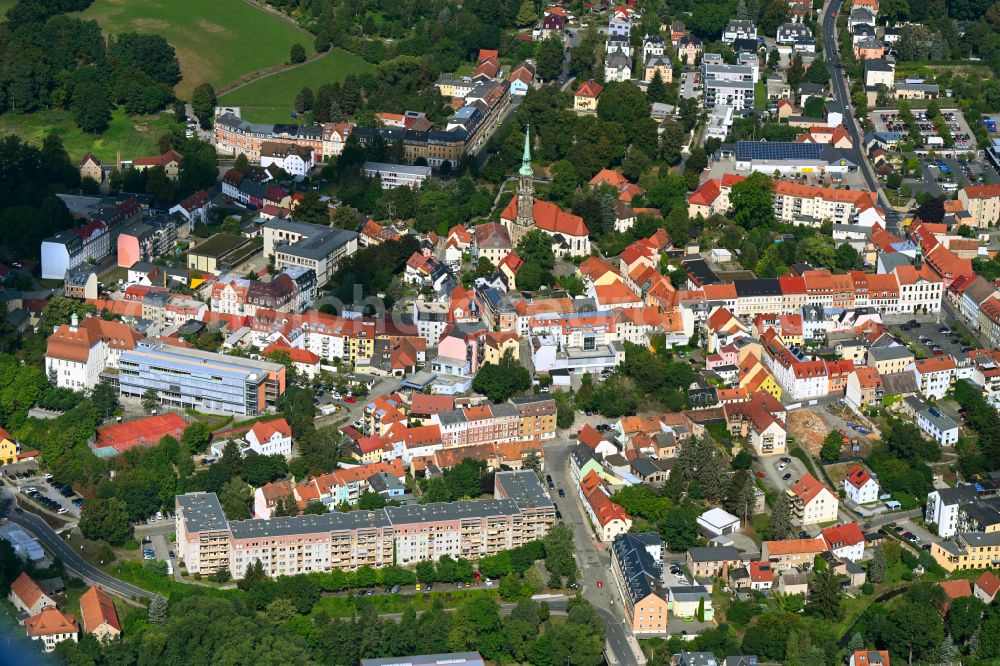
27,596
99,615
271,437
845,541
860,487
51,627
812,501
586,96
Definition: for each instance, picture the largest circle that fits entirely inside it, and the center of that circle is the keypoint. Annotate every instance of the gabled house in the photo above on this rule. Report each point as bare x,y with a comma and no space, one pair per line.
845,541
585,98
51,627
860,487
813,502
270,438
100,618
27,596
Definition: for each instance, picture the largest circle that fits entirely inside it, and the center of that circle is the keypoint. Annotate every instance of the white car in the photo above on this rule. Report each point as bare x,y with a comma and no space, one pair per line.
782,466
47,476
62,510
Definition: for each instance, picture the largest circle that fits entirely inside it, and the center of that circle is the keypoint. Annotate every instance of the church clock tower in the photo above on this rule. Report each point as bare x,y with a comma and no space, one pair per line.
525,195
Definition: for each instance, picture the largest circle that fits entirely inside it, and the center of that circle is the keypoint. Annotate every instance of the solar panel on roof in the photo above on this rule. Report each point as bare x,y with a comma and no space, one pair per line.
778,150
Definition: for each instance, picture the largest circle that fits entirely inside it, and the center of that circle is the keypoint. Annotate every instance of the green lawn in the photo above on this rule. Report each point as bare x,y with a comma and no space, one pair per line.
270,100
760,96
134,136
5,5
217,41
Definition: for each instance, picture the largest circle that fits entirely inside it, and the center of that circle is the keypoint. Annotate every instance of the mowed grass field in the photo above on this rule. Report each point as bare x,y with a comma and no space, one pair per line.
5,5
135,136
217,41
271,99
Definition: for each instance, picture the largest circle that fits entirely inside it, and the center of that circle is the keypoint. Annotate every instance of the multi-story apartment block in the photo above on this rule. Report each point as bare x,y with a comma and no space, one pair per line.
195,379
520,512
943,504
92,241
729,85
638,569
934,375
982,202
812,501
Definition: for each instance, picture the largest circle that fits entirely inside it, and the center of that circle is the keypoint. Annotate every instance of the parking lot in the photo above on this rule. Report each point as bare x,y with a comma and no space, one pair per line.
34,487
890,120
949,343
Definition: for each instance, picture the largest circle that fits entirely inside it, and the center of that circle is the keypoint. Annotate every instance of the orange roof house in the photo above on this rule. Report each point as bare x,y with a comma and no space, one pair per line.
99,614
52,626
987,586
27,596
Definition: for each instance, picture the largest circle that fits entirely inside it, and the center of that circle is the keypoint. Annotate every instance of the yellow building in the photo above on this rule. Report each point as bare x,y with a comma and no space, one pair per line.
969,550
497,344
8,448
586,96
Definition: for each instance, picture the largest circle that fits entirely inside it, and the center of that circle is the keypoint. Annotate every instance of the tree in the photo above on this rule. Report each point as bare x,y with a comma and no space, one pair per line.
526,14
235,498
781,518
831,446
501,381
203,102
91,107
876,569
818,72
196,437
946,651
297,54
656,91
825,595
535,247
752,202
795,72
304,100
106,519
964,616
158,609
104,399
671,142
679,529
550,59
846,257
740,494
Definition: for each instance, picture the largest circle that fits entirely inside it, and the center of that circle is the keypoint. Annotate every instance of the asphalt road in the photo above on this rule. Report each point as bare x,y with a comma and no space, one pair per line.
595,565
57,547
842,96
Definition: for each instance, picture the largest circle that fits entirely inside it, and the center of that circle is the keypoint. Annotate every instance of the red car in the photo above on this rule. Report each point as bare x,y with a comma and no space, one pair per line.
350,398
938,352
760,474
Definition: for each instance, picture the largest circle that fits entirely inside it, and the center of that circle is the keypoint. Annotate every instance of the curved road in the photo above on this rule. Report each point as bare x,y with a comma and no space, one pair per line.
56,546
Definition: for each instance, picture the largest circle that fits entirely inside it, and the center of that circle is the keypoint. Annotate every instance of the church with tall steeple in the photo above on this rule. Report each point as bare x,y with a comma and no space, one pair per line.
525,212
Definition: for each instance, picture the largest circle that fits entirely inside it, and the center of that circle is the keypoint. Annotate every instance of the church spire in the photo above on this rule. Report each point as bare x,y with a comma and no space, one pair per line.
526,159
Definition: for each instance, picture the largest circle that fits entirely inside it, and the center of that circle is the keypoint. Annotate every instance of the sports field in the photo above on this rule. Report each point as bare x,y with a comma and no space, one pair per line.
135,136
271,99
217,41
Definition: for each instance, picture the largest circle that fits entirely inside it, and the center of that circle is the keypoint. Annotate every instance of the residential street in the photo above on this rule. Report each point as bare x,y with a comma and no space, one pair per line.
56,546
594,562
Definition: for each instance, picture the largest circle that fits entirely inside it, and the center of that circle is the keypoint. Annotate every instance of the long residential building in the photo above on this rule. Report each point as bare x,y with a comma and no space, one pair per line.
793,202
195,379
523,419
309,246
207,542
92,241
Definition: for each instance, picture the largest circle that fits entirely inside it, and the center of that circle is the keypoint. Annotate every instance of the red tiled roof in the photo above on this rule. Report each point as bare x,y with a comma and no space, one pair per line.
808,487
97,608
590,89
857,476
265,430
26,589
988,583
423,404
51,621
840,536
795,546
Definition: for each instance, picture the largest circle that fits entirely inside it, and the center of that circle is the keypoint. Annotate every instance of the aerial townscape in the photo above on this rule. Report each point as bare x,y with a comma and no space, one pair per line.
468,333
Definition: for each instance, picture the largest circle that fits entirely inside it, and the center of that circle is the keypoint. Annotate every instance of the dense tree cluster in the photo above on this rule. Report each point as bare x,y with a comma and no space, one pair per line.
53,60
501,381
466,480
983,419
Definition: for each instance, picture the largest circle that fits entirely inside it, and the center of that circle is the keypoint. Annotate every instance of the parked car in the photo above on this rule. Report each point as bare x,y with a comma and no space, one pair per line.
562,493
786,477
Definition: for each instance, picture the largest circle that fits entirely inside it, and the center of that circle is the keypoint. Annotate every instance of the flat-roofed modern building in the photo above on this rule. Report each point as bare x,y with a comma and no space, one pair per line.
195,379
202,532
307,245
404,535
397,175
